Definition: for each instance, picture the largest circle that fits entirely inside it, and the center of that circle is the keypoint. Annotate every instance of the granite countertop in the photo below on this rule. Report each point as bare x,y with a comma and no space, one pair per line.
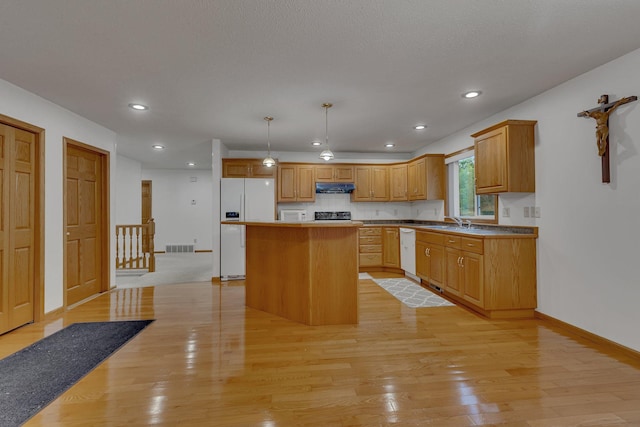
475,230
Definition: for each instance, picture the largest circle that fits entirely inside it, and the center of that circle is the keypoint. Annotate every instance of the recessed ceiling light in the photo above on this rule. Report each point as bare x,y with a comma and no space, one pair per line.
138,107
471,94
389,145
316,143
158,147
191,164
419,127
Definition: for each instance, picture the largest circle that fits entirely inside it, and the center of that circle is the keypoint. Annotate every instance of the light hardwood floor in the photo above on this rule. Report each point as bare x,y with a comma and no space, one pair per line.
208,360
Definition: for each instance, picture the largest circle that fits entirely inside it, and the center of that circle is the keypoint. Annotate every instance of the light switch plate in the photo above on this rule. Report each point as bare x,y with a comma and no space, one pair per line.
537,212
526,211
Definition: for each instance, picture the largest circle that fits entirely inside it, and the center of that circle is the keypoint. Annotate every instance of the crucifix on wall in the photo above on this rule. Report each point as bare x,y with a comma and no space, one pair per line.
601,116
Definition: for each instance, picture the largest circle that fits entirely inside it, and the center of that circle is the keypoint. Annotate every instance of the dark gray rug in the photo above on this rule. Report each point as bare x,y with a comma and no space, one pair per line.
31,378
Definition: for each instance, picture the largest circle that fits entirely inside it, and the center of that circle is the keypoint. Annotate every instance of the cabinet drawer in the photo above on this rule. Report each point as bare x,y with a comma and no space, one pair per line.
370,249
370,240
452,241
472,245
370,260
427,237
370,231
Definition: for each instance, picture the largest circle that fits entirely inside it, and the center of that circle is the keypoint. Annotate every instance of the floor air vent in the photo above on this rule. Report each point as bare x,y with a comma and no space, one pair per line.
174,249
436,288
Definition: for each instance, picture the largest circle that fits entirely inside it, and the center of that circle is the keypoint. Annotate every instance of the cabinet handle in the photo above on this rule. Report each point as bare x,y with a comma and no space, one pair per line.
470,244
462,262
426,252
452,241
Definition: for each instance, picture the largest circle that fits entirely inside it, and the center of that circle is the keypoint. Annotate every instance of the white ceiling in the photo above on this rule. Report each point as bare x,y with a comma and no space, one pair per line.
214,68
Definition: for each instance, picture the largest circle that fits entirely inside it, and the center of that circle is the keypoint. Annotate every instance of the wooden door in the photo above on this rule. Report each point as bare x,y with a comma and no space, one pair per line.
454,279
473,289
437,265
362,191
422,260
380,183
391,247
306,186
18,172
286,183
86,252
398,183
491,162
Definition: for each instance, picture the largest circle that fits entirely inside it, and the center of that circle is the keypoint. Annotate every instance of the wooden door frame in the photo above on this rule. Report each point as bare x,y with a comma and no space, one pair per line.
38,226
105,262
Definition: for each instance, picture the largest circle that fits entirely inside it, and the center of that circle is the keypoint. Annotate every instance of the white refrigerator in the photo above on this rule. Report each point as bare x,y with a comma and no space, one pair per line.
241,199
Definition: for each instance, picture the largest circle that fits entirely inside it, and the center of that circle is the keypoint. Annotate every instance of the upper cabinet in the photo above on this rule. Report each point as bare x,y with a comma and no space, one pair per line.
504,157
295,183
246,168
372,184
426,178
398,182
334,173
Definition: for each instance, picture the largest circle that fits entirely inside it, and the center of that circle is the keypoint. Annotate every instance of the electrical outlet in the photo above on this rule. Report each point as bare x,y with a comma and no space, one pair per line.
377,212
526,211
195,240
506,212
537,211
435,211
395,212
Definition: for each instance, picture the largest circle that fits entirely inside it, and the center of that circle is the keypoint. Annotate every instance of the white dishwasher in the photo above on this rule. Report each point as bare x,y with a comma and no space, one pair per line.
408,250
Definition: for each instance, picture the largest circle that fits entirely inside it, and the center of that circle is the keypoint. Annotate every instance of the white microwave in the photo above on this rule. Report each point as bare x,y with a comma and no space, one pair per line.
293,215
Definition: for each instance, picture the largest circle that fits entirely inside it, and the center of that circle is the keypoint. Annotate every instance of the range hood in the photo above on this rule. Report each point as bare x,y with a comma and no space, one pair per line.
335,187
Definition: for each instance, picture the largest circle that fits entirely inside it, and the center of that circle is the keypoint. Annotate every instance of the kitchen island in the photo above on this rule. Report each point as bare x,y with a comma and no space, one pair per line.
303,271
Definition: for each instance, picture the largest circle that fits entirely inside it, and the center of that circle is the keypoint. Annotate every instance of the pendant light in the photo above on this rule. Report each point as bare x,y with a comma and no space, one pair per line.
326,154
268,161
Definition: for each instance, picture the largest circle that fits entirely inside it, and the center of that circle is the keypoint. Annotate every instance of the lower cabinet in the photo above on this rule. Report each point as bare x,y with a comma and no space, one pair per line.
494,276
391,247
379,247
430,258
370,246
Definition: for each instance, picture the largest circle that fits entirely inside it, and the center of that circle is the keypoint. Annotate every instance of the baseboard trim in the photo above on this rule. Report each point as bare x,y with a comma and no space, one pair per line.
597,339
54,314
216,280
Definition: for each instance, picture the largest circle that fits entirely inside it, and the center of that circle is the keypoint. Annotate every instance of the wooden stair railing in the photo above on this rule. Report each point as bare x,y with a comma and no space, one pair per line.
135,246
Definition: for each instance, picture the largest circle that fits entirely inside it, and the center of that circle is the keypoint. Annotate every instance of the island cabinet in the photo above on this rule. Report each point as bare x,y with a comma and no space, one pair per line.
426,178
370,246
246,168
504,157
334,173
495,276
398,183
430,265
372,184
296,183
391,247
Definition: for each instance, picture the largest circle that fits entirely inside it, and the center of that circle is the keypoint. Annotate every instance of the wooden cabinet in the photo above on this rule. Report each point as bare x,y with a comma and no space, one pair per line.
246,168
334,173
495,276
426,178
430,260
370,246
391,247
296,183
372,184
398,182
465,277
504,157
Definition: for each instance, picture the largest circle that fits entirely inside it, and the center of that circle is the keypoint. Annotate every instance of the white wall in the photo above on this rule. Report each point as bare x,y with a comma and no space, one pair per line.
129,190
58,123
179,220
588,242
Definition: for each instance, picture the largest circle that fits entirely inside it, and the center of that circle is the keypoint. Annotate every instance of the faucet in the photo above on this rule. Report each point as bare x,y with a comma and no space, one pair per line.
457,220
